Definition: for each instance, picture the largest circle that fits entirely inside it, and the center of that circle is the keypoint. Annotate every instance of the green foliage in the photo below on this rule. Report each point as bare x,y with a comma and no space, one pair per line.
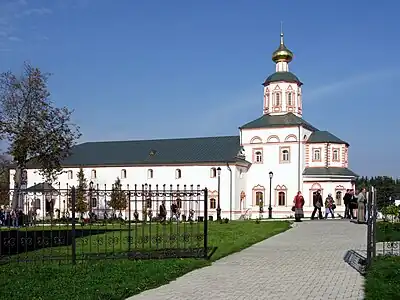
383,279
391,210
118,197
387,188
92,280
81,204
388,232
37,132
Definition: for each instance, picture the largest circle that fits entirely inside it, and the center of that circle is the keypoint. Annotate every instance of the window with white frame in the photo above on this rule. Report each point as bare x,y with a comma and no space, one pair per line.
213,172
70,175
335,155
150,173
178,173
316,154
257,156
285,155
123,173
290,100
277,97
93,174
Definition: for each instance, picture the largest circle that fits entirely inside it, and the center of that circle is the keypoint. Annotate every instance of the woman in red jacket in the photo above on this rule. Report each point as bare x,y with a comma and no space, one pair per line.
298,204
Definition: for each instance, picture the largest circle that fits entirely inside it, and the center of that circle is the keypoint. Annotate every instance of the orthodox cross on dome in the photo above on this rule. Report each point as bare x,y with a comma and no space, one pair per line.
282,56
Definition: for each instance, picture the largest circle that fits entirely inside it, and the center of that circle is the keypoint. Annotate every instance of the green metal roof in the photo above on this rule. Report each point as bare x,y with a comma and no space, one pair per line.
162,151
282,76
324,137
268,121
321,171
40,187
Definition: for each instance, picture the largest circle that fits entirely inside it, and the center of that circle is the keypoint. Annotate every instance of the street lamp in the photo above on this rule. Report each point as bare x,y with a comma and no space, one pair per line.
90,197
219,194
270,195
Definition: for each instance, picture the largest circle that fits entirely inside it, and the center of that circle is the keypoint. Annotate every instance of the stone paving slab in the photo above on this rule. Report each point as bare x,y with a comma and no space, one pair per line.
305,262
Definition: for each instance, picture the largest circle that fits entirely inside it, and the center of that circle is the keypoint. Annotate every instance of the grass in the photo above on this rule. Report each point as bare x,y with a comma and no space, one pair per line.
119,279
383,279
388,231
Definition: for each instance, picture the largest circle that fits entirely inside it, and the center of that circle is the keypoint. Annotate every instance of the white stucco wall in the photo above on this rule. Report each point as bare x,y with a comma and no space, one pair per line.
196,175
271,105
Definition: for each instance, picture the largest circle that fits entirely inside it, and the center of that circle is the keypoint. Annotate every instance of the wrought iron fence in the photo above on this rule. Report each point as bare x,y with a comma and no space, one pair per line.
144,222
383,233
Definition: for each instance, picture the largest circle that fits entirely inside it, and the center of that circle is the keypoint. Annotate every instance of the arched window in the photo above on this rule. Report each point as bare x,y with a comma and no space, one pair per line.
290,99
213,172
259,198
123,173
213,203
285,154
94,174
338,198
150,173
70,175
178,173
335,155
277,99
281,198
94,202
179,203
317,155
258,157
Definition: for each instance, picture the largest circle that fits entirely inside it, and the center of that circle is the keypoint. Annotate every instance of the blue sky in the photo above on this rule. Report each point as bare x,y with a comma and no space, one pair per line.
158,69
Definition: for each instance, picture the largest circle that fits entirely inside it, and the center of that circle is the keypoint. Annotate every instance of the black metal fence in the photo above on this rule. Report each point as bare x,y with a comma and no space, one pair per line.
145,222
383,233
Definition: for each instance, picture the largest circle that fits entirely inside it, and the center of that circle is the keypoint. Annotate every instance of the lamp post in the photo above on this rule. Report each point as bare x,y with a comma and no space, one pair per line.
270,195
219,194
90,197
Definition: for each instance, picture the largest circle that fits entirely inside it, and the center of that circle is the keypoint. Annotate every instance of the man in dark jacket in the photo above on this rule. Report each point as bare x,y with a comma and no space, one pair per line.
317,202
346,199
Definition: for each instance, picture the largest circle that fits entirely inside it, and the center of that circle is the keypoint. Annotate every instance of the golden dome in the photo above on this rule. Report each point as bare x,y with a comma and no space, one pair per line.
282,53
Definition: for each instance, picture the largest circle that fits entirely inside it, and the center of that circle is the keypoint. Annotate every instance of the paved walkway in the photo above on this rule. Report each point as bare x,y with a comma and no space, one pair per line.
305,262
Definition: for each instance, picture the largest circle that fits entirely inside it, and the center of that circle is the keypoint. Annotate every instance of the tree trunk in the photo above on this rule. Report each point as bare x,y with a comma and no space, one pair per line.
17,188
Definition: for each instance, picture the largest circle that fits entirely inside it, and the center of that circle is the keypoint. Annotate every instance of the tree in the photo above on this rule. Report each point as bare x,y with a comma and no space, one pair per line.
118,197
39,134
4,181
81,200
387,189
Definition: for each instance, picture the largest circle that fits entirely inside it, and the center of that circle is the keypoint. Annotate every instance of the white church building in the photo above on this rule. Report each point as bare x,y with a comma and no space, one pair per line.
268,162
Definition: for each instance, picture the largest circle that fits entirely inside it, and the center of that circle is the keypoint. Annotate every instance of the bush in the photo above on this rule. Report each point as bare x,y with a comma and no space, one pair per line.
388,231
383,279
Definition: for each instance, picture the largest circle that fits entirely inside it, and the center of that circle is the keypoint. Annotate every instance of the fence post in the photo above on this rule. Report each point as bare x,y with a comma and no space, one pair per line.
369,227
374,215
73,233
205,223
129,224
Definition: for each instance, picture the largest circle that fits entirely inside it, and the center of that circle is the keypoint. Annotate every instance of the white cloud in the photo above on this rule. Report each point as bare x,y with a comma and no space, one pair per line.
360,79
11,14
34,11
14,39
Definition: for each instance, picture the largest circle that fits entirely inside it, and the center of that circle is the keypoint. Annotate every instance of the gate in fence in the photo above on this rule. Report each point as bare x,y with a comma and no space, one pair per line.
146,222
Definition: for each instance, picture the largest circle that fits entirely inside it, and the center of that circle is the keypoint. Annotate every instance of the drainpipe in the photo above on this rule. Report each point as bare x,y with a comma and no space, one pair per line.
230,192
299,163
327,155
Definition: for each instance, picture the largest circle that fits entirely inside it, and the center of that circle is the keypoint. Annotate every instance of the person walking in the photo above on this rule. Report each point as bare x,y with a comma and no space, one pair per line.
329,202
298,204
317,202
361,200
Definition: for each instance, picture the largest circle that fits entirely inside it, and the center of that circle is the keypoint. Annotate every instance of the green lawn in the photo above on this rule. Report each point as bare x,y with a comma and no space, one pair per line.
383,279
119,279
